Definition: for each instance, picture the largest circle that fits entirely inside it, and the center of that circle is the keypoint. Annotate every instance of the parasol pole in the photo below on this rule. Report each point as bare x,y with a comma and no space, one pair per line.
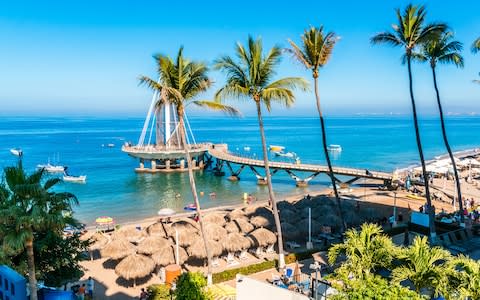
309,243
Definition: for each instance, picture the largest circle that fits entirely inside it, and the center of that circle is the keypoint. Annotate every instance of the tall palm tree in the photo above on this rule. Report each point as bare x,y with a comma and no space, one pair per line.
366,251
26,207
181,81
314,53
410,32
250,77
423,265
443,49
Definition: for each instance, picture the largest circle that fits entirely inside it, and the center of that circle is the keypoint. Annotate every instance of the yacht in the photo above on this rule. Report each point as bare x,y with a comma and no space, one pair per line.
276,148
16,151
77,179
51,168
334,148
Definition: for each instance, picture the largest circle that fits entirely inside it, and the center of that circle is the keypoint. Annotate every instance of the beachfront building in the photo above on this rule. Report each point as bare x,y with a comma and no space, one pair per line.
159,144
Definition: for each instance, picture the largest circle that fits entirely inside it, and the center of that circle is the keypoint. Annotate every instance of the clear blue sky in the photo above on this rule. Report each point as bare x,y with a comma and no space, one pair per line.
84,57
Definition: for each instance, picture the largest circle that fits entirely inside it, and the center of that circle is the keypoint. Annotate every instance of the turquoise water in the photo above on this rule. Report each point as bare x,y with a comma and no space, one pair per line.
114,189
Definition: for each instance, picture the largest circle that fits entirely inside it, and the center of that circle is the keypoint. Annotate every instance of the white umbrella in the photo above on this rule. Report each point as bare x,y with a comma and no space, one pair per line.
165,212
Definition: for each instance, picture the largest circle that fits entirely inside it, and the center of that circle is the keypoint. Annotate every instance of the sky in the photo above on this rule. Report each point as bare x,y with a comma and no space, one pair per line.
85,57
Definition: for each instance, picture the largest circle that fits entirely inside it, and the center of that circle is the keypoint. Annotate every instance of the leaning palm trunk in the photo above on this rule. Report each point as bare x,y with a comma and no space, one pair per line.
32,280
327,155
270,188
195,195
431,216
447,145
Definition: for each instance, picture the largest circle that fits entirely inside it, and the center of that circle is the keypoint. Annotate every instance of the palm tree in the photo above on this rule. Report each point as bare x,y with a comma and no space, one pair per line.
410,32
366,251
28,207
444,50
251,78
424,266
476,45
314,53
181,81
467,276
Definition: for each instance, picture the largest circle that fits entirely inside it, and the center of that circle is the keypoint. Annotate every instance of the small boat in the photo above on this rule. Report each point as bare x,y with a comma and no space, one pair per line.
283,154
246,149
190,206
276,148
51,168
78,179
110,145
16,151
334,148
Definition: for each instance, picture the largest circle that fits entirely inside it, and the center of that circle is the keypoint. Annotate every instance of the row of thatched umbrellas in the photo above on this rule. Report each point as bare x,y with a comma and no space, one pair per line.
141,251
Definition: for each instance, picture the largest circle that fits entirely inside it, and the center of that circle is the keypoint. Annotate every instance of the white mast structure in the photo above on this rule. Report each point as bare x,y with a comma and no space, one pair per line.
159,141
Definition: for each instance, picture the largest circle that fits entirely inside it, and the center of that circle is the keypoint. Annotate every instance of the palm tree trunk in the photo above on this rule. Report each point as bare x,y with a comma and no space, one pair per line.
327,155
431,217
281,256
32,280
195,195
447,145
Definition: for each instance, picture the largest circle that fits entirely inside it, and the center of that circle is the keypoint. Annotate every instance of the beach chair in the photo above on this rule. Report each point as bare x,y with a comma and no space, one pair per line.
215,262
292,244
231,260
258,252
270,249
243,255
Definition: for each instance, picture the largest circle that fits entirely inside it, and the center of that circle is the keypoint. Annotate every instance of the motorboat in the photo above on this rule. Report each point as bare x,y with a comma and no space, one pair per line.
276,148
16,151
190,206
110,145
77,179
334,148
51,168
285,154
246,148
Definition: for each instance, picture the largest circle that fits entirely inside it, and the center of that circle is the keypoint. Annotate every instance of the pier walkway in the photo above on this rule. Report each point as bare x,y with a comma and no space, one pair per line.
224,157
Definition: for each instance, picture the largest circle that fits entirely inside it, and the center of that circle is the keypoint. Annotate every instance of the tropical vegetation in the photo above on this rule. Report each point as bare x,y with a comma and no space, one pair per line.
410,32
32,218
250,76
476,45
191,286
374,268
314,53
180,82
443,49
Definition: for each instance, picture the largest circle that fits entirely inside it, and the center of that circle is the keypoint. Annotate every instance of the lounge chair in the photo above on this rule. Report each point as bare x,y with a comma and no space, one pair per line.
258,252
215,262
270,249
243,255
231,260
293,245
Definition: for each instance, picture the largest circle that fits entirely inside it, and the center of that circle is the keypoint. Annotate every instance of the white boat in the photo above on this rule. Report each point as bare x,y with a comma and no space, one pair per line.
51,168
110,145
246,148
16,151
276,148
79,179
283,154
334,148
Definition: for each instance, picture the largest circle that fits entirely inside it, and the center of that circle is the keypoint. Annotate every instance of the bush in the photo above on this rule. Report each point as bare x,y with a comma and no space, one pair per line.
230,274
191,286
158,292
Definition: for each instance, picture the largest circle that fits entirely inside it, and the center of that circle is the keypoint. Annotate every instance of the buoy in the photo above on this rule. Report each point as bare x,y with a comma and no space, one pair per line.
202,193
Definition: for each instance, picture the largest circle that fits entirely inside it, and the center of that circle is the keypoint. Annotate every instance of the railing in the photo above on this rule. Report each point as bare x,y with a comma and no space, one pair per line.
161,148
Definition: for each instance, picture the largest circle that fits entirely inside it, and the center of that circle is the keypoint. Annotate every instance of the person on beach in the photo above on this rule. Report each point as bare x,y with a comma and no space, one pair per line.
143,294
90,286
81,292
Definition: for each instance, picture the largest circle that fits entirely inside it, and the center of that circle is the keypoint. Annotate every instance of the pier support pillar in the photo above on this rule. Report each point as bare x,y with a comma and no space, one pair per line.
194,163
142,163
182,164
201,164
153,164
167,164
234,178
301,183
262,181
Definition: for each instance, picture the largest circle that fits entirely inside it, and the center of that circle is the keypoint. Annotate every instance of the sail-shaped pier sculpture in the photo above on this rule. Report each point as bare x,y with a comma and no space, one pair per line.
159,144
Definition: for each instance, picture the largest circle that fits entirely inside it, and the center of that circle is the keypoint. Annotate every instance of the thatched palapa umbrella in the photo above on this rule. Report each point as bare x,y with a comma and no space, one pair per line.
152,244
135,266
215,232
236,242
197,249
263,237
257,210
215,218
157,229
166,256
239,225
185,237
235,214
131,234
98,241
117,249
261,221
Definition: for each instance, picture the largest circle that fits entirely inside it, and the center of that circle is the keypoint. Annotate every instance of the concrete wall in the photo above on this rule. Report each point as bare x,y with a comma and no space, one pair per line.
248,289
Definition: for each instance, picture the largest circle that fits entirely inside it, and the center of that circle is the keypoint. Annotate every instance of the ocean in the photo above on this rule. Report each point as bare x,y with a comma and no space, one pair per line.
113,188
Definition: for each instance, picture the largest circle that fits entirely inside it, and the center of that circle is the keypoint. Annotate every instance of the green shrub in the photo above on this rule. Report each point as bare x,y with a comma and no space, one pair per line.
191,286
230,274
158,292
